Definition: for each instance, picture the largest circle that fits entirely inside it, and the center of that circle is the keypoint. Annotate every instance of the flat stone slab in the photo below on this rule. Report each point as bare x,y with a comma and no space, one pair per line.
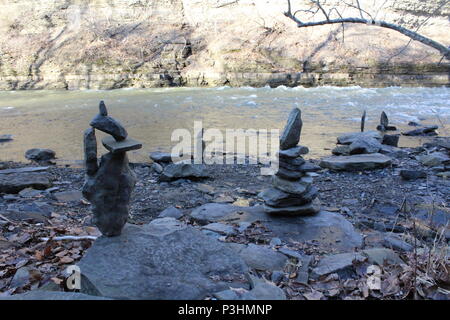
302,210
164,260
52,295
121,146
356,162
183,170
15,182
23,170
337,262
348,138
329,230
261,258
68,196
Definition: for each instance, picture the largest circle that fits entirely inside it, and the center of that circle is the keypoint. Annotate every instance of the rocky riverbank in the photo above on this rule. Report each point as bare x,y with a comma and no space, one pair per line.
107,45
396,218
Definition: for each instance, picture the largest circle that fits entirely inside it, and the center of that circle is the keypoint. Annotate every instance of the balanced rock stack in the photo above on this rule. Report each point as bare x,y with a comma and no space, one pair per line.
292,192
108,186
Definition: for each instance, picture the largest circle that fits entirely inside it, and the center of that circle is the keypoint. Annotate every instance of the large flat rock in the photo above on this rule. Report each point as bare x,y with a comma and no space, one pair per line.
351,137
162,260
356,162
328,230
15,182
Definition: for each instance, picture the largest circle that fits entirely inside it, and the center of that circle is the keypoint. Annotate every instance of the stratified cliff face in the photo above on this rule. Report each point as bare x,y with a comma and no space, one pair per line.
103,44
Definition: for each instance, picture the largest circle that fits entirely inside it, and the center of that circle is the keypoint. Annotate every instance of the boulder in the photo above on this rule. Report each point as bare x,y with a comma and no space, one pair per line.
183,170
329,230
15,182
162,260
38,154
357,162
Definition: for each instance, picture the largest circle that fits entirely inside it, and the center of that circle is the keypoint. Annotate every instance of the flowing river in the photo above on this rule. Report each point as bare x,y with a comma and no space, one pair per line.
57,119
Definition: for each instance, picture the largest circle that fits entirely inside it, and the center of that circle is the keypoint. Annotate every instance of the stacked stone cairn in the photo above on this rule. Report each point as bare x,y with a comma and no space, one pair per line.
109,185
292,192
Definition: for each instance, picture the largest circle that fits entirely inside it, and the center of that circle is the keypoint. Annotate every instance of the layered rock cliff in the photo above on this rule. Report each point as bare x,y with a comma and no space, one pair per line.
104,44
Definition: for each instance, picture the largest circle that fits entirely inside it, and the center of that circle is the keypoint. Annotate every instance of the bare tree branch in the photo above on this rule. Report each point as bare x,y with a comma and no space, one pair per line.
445,51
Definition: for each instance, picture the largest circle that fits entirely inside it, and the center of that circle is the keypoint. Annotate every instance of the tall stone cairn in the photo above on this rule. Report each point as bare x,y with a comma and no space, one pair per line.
109,185
292,192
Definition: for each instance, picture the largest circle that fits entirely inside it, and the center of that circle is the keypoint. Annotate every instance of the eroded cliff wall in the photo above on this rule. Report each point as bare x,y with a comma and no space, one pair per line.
103,44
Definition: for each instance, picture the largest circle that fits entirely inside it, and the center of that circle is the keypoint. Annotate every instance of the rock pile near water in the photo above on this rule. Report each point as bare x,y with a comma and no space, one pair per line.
292,192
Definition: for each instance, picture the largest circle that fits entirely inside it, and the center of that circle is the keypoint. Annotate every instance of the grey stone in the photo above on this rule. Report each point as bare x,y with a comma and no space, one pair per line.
381,255
412,174
262,258
220,228
38,154
290,253
275,242
338,262
391,139
109,192
341,150
425,131
363,120
356,162
226,295
213,212
171,212
291,133
288,174
161,157
364,146
162,260
434,159
68,196
15,182
121,146
21,278
348,138
384,121
109,125
303,210
5,137
267,291
52,295
293,152
303,270
295,187
90,151
277,276
157,167
23,170
294,164
309,167
36,217
29,193
277,198
394,242
183,170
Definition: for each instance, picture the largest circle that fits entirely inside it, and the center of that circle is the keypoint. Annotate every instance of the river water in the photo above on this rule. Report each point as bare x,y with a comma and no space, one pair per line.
57,119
